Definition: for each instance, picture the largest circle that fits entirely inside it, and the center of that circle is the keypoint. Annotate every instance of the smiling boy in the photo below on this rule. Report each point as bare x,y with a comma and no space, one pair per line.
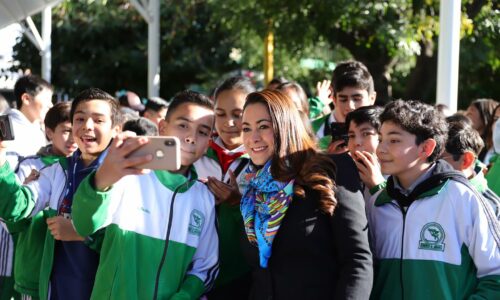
433,236
68,265
160,239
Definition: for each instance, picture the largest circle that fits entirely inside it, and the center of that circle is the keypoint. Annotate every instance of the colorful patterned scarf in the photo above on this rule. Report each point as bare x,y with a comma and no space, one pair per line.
263,206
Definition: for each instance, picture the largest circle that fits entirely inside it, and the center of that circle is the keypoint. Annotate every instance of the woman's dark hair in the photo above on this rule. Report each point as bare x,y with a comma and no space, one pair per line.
488,141
235,83
485,107
295,155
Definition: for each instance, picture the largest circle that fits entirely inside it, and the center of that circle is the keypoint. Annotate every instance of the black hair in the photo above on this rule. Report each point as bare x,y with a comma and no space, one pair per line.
240,83
188,96
462,137
420,119
277,80
365,114
155,103
97,94
29,84
57,114
141,126
458,117
352,74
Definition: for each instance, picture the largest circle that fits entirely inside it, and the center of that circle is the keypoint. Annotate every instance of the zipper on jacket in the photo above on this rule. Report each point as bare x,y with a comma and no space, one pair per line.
401,282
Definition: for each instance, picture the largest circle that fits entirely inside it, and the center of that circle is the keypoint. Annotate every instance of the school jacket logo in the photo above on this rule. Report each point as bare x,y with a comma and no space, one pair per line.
196,221
432,237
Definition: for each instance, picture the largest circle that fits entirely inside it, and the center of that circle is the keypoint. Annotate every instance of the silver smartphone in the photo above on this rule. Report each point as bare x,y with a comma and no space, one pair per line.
166,153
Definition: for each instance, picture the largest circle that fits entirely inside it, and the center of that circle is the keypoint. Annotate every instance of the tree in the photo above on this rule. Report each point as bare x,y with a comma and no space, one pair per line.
396,39
104,44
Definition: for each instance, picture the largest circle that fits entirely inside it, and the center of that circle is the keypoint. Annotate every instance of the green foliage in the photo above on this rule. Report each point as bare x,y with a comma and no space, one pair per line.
104,43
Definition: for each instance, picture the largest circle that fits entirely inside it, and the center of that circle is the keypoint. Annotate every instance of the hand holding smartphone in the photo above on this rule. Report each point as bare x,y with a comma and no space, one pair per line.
339,132
165,151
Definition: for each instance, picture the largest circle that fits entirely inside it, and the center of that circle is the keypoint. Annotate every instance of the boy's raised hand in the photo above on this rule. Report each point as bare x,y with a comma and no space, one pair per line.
62,229
369,168
225,192
323,91
116,164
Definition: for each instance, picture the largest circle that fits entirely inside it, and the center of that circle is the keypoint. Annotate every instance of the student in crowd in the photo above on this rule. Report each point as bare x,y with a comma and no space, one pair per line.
160,239
296,93
68,264
141,126
321,104
362,130
461,151
33,100
480,112
305,223
155,109
493,174
31,235
353,87
275,82
131,100
223,166
433,236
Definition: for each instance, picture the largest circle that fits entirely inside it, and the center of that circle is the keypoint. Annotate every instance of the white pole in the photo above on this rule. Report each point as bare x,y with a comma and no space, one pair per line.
47,43
448,53
154,49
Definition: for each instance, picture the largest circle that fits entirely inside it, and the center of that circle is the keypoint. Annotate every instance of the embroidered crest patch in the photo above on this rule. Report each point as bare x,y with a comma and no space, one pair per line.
196,222
431,237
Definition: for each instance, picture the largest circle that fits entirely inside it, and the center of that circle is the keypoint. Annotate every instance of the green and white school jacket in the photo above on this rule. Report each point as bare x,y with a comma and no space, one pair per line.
443,246
32,232
19,203
136,212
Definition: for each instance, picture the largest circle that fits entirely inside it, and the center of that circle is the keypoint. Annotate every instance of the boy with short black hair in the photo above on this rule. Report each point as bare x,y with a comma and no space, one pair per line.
433,236
33,99
68,264
160,239
353,87
362,126
462,151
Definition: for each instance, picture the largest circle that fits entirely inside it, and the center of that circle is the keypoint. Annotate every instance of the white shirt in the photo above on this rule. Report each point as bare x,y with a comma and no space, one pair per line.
28,137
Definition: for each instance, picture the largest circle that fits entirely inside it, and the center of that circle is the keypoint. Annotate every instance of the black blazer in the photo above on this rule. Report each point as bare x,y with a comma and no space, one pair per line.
315,256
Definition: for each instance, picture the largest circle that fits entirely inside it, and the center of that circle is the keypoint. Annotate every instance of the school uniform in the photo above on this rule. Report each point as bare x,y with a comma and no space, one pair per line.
233,280
67,268
31,232
159,234
439,239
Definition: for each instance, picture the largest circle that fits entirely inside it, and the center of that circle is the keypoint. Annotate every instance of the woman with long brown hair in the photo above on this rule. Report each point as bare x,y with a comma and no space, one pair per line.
303,211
